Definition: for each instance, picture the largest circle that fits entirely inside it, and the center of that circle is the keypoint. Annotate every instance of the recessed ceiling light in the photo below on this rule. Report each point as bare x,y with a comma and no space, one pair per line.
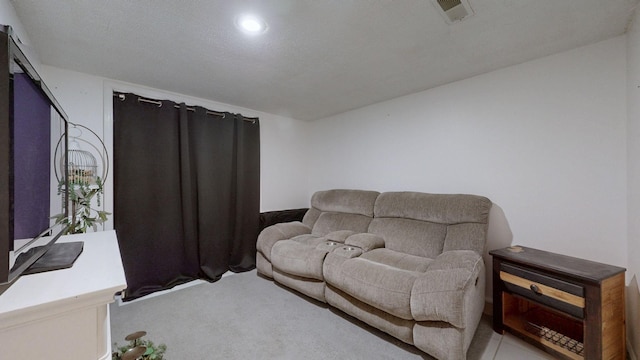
251,24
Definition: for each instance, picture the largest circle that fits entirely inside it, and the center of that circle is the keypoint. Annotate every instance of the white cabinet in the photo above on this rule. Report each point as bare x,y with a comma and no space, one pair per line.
64,314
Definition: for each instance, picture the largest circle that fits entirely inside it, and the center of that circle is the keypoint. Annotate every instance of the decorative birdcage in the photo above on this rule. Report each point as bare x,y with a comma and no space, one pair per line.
85,179
81,166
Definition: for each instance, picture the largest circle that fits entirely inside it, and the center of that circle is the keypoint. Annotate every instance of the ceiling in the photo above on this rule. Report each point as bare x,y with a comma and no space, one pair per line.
318,58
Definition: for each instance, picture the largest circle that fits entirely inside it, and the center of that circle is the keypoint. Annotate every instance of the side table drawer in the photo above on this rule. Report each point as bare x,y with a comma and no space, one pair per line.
553,292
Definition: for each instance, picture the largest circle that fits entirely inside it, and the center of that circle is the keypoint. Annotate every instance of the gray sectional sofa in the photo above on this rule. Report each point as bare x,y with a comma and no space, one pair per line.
406,263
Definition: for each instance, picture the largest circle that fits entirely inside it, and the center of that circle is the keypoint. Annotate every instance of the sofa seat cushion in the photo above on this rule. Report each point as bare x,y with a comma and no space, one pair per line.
398,260
302,255
381,278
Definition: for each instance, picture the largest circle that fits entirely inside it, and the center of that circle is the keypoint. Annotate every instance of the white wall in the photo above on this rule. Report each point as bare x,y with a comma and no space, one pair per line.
87,101
8,16
633,169
544,140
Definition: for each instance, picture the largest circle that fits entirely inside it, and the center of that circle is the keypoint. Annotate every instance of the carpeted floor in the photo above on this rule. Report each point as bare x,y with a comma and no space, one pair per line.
244,316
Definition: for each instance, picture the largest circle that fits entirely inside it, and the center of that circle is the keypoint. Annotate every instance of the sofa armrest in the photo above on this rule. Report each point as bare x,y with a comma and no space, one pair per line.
444,292
274,233
455,259
365,241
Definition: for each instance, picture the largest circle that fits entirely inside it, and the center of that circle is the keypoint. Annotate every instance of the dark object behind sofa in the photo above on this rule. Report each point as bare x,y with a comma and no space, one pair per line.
274,217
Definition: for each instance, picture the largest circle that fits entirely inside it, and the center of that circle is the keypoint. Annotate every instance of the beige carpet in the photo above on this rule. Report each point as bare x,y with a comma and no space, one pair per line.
244,316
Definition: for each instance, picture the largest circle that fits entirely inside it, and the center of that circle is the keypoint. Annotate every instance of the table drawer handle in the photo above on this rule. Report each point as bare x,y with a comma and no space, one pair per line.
535,289
542,289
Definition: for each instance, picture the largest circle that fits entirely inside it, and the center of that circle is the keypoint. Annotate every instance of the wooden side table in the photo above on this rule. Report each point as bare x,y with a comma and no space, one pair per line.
570,307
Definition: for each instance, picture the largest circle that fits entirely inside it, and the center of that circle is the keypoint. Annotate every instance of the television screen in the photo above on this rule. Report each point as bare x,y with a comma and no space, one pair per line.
32,138
33,142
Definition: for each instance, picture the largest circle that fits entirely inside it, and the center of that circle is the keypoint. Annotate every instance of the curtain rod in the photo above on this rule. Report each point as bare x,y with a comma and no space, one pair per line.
159,103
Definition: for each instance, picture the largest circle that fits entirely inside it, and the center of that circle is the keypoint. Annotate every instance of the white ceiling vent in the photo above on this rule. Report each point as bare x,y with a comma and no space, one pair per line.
454,10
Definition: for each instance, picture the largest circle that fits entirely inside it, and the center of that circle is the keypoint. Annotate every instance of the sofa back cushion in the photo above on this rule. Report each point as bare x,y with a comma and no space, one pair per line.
333,210
428,224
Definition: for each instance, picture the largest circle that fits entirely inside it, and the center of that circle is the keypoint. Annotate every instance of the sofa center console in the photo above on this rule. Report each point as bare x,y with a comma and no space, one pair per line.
64,314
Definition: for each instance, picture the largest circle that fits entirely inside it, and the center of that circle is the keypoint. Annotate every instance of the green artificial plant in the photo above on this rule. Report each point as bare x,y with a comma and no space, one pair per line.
151,350
82,215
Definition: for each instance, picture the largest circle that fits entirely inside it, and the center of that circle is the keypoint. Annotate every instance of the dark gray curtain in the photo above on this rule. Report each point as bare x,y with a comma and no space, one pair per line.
187,190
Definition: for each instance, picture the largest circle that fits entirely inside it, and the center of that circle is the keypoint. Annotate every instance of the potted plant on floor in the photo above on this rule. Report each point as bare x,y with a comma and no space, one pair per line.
139,348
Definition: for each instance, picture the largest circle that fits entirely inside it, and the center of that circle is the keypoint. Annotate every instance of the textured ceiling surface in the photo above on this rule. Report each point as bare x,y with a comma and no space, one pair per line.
318,58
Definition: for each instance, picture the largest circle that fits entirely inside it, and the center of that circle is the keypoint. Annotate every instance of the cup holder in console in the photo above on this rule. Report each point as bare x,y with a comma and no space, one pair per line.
348,251
328,245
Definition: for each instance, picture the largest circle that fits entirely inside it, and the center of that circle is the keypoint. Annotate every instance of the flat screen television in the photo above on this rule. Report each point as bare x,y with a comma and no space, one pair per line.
33,176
